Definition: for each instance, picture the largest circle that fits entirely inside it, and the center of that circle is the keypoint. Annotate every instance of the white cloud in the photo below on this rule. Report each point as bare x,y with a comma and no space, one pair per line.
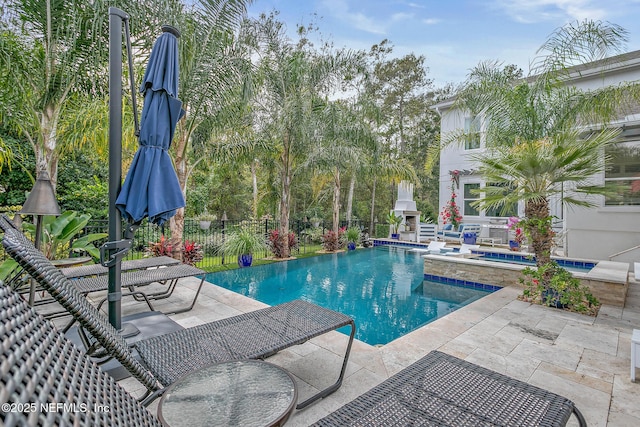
401,16
431,21
340,10
530,11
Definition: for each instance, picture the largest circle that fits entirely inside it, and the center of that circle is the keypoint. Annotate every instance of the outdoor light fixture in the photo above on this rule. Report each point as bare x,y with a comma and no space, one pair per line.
41,201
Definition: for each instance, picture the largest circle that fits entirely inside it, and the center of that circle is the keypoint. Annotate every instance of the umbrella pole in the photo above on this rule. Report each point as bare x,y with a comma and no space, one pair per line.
116,16
116,247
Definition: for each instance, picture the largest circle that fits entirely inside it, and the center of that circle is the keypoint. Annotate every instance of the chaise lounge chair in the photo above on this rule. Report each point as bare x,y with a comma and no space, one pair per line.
42,369
164,359
442,390
135,274
434,247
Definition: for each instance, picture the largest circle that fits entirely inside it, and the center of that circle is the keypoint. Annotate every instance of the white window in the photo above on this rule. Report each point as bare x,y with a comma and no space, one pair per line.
624,171
472,133
470,196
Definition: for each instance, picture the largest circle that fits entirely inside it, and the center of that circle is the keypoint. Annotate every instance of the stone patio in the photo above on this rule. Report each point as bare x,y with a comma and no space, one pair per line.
583,358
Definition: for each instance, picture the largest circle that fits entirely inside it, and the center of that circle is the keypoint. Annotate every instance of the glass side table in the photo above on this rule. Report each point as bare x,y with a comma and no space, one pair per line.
242,393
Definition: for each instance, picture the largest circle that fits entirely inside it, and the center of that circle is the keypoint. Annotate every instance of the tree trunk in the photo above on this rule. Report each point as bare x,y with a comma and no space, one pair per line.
285,178
336,200
46,156
176,223
254,179
373,206
540,231
352,185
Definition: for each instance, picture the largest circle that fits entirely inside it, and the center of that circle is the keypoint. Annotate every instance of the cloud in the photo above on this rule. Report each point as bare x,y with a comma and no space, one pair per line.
340,10
401,16
530,11
431,21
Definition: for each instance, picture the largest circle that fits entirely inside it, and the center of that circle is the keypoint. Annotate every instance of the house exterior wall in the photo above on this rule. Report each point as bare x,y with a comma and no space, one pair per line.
593,233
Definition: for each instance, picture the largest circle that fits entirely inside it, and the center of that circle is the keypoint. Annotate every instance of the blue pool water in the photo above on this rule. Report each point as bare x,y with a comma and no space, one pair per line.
571,265
382,288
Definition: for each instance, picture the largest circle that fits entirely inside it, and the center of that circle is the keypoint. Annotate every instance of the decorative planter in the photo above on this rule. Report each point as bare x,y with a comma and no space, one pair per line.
351,246
514,246
395,236
245,260
551,298
205,225
469,238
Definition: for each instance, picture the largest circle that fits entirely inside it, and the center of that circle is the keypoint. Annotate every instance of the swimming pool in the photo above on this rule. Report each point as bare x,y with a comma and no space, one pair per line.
382,288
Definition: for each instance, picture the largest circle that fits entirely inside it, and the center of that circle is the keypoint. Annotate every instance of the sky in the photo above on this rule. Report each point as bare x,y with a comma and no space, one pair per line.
453,35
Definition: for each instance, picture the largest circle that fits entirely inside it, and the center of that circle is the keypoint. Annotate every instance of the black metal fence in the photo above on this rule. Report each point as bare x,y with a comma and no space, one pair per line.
210,235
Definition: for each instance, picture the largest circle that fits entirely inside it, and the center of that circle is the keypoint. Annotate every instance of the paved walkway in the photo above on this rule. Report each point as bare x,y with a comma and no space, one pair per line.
583,358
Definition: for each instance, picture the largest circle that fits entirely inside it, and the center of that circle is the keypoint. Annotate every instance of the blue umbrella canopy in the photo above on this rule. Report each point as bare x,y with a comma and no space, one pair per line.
151,187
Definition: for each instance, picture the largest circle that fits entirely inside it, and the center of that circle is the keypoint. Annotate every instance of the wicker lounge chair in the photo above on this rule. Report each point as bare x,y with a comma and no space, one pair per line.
134,264
164,359
443,390
47,381
135,274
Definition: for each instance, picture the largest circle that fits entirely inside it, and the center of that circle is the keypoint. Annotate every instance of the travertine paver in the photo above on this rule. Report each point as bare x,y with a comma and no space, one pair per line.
583,358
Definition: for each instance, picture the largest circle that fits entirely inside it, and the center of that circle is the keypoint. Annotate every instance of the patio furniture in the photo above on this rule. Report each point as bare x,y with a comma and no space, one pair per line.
164,359
247,393
132,280
135,264
434,247
443,390
46,380
464,250
459,234
427,232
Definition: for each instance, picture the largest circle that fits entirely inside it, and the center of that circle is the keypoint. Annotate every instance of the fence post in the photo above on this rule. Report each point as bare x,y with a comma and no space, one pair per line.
223,233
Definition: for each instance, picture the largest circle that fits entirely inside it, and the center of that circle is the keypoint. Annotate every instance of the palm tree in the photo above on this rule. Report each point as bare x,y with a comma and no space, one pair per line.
54,58
536,143
533,171
212,65
293,82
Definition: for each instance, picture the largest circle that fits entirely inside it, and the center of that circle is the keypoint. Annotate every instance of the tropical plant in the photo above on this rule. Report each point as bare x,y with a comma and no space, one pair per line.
53,56
276,243
563,290
242,241
332,241
535,144
394,221
60,235
346,137
451,213
213,65
294,81
353,235
162,247
191,252
515,224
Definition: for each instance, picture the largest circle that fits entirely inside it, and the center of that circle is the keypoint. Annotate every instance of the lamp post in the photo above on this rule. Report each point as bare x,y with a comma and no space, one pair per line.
41,201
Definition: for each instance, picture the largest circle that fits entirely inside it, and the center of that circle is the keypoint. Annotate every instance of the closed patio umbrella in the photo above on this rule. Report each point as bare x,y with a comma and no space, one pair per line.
151,187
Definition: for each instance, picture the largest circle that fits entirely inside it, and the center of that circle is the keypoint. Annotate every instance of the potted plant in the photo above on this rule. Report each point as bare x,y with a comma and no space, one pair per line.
394,222
315,221
514,224
205,219
243,243
353,237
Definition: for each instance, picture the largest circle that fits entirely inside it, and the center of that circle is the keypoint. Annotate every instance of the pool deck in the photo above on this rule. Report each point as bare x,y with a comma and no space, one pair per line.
586,359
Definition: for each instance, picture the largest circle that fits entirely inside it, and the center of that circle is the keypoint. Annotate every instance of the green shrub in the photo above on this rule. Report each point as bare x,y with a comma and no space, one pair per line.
563,290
